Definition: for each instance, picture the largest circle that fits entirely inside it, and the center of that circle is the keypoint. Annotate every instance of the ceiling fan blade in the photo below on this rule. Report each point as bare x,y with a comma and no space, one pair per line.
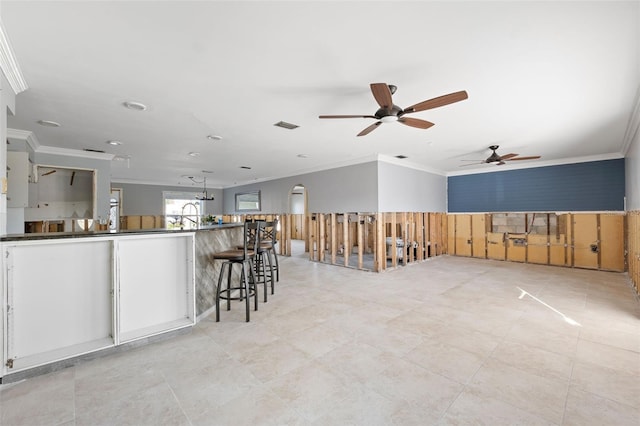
370,128
347,116
382,94
415,122
437,102
533,157
501,163
507,156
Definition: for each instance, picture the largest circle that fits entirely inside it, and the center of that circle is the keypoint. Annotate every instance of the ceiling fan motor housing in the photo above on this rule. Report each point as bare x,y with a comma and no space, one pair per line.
395,111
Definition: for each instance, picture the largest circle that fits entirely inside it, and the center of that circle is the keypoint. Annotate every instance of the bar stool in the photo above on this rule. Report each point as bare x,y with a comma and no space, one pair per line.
268,242
261,259
242,256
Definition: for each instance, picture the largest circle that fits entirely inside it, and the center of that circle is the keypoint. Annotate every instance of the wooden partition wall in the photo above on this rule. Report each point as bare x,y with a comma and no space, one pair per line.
589,240
375,241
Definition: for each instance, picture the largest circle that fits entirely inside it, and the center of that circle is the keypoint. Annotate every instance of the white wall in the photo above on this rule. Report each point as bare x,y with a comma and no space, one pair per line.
7,106
632,174
343,189
140,200
402,189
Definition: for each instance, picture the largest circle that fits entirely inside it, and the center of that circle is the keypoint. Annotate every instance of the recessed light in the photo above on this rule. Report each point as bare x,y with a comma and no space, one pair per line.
194,154
303,156
136,106
245,167
214,137
48,123
114,143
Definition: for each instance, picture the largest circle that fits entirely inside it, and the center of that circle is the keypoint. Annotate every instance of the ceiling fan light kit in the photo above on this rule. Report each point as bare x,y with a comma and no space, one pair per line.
388,112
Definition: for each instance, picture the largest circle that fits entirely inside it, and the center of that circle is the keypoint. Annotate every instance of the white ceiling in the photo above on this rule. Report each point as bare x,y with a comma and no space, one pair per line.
557,79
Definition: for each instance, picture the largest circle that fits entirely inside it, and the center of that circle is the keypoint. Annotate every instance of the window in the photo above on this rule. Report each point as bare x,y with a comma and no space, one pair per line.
248,201
182,210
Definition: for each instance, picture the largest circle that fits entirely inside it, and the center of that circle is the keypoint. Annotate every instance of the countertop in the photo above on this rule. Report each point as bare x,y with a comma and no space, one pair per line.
61,235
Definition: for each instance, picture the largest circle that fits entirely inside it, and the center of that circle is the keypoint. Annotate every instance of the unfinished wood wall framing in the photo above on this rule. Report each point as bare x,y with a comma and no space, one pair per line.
375,241
581,240
633,247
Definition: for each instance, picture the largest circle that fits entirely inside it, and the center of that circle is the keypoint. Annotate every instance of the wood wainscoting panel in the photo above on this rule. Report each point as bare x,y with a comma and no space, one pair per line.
538,249
479,235
585,240
463,235
612,242
495,246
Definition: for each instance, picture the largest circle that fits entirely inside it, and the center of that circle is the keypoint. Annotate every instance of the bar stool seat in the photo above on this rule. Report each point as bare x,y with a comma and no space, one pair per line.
244,256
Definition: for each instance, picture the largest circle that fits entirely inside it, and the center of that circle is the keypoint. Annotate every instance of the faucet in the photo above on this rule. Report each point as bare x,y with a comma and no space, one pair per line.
182,217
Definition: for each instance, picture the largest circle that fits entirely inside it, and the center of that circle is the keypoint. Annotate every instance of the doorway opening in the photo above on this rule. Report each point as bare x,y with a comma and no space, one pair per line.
298,210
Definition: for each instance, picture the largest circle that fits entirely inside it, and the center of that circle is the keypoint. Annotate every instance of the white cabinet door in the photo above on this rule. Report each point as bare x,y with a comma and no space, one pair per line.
155,284
59,297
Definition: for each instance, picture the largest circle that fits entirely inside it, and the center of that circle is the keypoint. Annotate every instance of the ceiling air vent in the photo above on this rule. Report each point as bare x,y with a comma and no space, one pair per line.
286,125
402,157
94,150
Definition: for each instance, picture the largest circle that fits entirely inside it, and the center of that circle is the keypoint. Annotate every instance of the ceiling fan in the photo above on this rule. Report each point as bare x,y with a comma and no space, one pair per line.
499,160
388,112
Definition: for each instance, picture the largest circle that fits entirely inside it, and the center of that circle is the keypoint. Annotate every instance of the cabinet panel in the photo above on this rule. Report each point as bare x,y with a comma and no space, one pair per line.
155,289
60,299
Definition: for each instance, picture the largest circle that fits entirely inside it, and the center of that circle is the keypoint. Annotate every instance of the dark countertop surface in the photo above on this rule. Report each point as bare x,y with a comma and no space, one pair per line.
62,235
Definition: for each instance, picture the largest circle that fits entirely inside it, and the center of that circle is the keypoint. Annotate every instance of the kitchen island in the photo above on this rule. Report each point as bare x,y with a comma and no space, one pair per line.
66,295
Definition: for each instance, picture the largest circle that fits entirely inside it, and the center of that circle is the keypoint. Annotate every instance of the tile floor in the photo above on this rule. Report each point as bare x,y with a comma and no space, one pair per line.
450,341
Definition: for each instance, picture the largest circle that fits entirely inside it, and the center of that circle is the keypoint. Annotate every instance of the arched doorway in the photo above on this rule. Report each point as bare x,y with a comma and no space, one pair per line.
298,211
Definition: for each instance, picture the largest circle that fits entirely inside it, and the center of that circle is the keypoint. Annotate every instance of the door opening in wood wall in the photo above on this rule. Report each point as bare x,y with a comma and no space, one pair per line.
298,210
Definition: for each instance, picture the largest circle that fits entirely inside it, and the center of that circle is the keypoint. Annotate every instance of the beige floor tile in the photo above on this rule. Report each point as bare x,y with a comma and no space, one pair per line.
356,361
258,406
274,359
480,410
448,361
47,399
623,360
535,394
584,408
309,390
612,337
318,340
407,383
607,383
534,360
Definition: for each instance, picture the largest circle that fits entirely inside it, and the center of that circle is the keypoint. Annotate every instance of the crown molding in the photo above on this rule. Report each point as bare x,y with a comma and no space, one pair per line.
74,153
34,144
24,135
9,64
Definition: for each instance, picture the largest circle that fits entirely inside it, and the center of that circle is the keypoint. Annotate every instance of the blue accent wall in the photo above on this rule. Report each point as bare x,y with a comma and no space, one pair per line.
592,186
